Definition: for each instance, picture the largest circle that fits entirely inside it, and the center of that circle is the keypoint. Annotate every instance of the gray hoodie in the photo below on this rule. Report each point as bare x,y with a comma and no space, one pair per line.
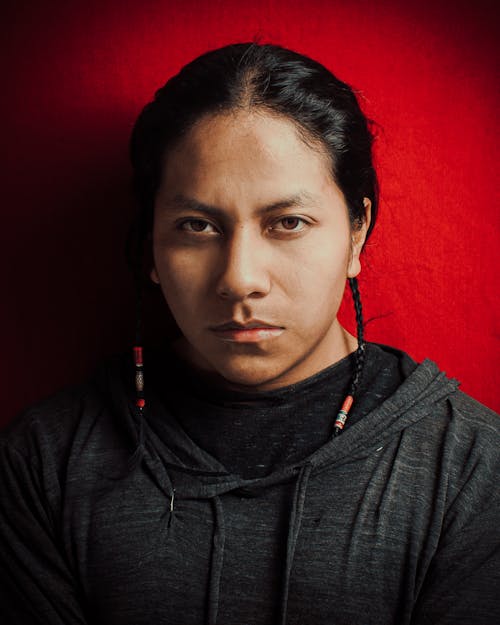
394,522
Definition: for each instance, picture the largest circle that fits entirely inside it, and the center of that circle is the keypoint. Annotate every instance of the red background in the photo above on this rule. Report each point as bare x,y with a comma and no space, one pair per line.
76,74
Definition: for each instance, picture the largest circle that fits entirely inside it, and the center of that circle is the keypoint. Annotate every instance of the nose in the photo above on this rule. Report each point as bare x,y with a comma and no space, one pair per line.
244,272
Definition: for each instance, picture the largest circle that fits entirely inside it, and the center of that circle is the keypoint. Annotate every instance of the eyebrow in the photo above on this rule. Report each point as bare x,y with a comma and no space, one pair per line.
180,203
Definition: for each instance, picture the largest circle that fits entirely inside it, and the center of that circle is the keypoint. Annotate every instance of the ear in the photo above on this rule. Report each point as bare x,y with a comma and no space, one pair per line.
358,238
153,274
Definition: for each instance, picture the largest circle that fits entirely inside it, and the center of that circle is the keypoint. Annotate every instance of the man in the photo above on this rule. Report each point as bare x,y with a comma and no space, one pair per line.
268,467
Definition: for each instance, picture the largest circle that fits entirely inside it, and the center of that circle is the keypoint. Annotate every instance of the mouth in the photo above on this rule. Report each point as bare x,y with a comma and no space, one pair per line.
250,332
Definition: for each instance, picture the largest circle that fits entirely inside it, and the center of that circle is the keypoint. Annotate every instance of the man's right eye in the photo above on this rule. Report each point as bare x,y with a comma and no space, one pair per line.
196,225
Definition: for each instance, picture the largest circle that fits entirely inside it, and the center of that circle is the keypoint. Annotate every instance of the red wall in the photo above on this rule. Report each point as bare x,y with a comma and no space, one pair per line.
74,77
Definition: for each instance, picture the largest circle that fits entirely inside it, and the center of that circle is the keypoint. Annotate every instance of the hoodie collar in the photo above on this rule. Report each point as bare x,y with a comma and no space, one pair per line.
203,476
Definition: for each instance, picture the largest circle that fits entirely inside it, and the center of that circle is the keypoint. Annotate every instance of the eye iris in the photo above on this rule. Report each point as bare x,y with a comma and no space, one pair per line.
197,222
294,222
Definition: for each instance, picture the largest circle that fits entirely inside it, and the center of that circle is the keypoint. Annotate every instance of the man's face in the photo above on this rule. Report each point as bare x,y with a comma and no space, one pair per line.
249,224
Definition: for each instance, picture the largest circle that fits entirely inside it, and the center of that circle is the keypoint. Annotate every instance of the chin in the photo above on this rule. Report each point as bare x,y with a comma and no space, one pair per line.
251,374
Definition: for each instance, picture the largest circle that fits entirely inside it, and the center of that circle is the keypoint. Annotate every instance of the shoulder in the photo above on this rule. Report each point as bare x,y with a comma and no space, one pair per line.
427,385
473,413
473,441
460,434
461,437
49,424
48,429
469,422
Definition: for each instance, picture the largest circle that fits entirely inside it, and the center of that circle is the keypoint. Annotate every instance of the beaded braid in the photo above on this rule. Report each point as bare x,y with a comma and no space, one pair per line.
140,401
360,361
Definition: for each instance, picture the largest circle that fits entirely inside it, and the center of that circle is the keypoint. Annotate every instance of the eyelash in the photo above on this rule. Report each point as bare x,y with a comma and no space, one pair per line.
185,221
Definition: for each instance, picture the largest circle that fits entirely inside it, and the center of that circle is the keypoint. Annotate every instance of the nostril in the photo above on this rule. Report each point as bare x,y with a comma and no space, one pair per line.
226,292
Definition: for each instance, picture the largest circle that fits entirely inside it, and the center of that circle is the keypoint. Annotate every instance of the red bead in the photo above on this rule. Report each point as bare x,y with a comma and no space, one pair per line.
346,406
138,355
140,403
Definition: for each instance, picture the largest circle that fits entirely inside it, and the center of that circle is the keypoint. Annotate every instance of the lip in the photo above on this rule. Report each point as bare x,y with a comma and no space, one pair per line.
252,331
248,335
249,325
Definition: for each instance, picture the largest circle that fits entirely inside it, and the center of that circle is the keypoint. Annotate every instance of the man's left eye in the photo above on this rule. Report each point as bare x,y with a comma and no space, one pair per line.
290,223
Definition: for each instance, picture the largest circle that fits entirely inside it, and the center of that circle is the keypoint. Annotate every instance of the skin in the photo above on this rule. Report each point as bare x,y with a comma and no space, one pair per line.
287,266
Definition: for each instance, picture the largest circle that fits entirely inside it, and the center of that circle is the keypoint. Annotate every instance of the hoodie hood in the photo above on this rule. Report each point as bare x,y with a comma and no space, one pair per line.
205,477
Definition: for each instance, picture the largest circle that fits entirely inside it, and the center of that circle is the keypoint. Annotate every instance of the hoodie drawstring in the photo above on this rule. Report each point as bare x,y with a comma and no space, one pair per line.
293,532
219,538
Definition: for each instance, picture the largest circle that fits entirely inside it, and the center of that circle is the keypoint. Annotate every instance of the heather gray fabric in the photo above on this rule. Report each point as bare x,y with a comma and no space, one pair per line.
394,522
252,433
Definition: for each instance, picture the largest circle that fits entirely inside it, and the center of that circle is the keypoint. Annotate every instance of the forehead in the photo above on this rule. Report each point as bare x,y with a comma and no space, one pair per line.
261,129
242,151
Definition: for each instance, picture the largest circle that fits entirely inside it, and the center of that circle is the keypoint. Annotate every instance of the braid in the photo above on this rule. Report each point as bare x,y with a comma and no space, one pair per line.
140,402
360,361
139,294
360,352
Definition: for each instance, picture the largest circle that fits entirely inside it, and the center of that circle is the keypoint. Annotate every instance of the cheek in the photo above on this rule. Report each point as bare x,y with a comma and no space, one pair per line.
181,277
318,283
321,269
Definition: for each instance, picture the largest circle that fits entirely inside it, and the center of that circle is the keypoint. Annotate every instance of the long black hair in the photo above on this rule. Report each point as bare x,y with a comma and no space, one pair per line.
324,109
